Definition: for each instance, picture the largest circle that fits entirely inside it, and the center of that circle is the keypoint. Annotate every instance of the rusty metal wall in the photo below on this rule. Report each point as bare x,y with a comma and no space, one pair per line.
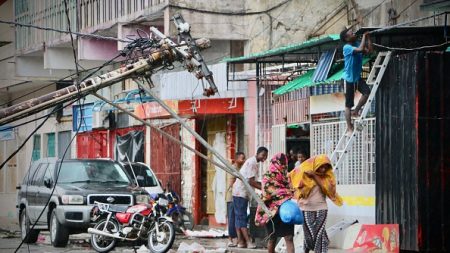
166,157
412,150
92,144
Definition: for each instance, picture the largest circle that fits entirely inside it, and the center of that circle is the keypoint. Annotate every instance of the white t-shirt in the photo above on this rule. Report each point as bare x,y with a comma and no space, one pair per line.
249,169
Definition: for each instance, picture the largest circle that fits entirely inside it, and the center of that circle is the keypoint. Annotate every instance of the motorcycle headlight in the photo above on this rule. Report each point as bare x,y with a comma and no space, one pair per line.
163,202
142,199
72,199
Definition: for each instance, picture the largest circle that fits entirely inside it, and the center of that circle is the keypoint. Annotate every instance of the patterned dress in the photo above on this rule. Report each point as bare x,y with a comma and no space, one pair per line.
276,189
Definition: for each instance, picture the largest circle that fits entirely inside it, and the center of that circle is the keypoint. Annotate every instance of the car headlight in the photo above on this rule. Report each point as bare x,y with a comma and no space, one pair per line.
72,199
142,199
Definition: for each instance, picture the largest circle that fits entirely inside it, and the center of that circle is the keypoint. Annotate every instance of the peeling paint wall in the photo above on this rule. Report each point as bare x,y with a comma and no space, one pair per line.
187,166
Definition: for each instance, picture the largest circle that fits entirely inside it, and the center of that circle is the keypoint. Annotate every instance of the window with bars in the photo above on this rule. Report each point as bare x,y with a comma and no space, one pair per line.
36,154
51,145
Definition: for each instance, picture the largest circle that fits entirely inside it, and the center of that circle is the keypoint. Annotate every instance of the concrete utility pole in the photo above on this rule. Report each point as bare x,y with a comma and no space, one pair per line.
164,52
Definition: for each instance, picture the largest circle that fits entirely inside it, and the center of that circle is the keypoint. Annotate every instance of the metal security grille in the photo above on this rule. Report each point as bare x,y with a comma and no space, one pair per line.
278,140
359,164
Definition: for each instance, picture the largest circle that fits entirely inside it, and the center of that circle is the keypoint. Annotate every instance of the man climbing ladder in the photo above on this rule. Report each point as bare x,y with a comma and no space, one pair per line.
353,53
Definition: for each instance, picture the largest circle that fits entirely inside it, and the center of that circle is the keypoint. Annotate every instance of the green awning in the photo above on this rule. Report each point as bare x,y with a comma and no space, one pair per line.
305,79
286,49
448,49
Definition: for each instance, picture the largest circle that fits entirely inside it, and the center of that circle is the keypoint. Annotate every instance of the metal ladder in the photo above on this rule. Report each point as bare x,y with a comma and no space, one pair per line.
375,76
345,142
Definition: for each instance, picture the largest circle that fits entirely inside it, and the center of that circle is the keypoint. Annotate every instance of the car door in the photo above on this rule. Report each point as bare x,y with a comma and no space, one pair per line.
44,192
34,191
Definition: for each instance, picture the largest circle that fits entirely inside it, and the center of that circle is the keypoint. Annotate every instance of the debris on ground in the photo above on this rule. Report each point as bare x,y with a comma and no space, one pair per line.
212,233
8,234
198,248
142,249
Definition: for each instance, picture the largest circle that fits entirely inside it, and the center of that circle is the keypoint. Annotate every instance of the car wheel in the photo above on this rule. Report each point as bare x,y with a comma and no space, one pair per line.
28,235
59,235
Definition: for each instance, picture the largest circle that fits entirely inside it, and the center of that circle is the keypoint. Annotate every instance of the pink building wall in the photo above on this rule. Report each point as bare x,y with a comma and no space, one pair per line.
250,119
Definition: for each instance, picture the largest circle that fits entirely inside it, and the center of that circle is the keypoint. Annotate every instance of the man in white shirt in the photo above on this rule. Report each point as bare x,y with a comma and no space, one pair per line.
241,196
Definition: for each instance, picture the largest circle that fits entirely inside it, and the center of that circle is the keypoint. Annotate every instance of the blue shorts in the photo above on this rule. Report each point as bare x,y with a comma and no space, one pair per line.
240,211
231,220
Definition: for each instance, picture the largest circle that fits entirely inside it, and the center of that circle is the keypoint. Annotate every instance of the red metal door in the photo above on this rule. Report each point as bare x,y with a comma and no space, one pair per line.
166,157
92,144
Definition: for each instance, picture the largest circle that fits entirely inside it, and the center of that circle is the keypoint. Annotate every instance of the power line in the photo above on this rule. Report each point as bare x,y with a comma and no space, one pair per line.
413,49
407,23
240,13
95,36
55,82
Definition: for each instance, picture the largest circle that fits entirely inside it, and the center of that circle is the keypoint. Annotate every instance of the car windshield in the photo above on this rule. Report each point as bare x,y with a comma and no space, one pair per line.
145,176
92,172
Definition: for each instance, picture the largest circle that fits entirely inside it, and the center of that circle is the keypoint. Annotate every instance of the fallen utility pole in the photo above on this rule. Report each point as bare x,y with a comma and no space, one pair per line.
158,55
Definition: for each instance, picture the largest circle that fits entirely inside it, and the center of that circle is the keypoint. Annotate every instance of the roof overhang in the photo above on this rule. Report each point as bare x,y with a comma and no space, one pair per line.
300,52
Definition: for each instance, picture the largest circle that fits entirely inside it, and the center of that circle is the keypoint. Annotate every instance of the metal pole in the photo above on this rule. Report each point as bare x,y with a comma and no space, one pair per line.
170,137
206,144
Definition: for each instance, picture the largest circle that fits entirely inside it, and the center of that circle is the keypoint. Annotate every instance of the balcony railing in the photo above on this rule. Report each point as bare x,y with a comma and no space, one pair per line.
48,13
96,12
84,14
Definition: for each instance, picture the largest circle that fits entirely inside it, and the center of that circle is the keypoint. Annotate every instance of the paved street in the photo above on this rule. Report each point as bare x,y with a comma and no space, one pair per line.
80,243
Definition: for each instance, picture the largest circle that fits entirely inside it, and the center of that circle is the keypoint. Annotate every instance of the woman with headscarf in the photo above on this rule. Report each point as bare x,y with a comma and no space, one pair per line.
276,190
313,181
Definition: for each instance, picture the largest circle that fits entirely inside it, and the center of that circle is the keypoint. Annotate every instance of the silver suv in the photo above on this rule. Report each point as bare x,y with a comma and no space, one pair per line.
70,200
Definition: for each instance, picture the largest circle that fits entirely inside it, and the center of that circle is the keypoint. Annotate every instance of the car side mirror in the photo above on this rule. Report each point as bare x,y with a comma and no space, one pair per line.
48,183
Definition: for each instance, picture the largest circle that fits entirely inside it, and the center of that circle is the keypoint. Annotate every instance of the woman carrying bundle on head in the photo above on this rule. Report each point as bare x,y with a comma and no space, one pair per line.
313,181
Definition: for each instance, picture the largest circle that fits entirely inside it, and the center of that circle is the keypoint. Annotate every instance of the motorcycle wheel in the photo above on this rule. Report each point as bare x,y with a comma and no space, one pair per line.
161,242
177,222
102,243
187,220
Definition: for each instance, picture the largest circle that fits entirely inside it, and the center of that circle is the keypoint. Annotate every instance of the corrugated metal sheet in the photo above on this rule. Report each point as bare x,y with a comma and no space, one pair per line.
184,85
305,80
326,89
166,156
324,66
412,161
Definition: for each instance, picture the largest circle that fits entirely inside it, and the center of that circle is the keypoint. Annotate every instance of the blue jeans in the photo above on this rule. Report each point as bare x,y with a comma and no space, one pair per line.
231,220
240,211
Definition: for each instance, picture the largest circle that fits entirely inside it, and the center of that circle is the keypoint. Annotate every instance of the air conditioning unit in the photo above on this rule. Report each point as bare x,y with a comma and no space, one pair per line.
100,120
124,120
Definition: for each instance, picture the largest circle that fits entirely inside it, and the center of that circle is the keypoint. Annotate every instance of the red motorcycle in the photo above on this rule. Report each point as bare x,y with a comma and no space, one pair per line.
138,222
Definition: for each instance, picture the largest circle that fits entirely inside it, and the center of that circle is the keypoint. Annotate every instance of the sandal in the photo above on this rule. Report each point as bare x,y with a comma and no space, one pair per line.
232,245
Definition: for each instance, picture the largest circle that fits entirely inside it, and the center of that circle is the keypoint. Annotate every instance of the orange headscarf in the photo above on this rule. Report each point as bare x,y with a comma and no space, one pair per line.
303,184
